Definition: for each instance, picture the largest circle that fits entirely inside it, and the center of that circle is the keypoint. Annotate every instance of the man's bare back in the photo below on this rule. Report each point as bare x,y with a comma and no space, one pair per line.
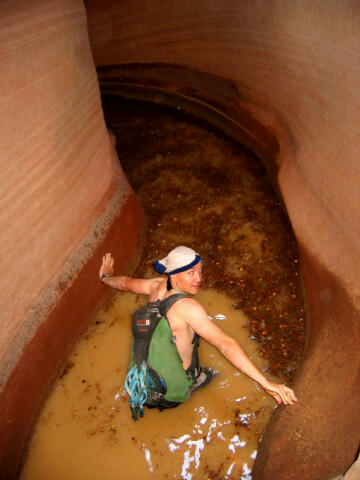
181,330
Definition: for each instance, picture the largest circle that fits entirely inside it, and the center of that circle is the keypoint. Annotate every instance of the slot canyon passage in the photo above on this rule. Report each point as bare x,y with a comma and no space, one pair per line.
284,76
200,188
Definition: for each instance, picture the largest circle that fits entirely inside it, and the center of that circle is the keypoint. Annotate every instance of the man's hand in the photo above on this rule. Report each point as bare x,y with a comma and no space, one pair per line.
107,265
281,393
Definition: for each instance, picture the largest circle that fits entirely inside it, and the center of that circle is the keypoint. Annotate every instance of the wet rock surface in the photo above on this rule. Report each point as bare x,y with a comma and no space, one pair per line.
200,188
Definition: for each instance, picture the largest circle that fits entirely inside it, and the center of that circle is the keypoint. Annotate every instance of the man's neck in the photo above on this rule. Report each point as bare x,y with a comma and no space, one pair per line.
176,290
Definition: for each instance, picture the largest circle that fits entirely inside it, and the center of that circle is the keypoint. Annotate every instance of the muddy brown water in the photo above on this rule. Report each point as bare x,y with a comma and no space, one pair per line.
86,430
203,190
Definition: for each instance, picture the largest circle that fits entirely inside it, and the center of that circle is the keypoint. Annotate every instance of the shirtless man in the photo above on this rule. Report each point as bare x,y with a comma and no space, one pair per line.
186,317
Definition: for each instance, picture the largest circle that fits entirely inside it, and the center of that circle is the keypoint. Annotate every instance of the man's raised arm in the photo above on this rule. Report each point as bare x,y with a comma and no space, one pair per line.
121,282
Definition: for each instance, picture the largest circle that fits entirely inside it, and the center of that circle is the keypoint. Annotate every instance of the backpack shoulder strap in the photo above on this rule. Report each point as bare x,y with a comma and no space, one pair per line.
166,304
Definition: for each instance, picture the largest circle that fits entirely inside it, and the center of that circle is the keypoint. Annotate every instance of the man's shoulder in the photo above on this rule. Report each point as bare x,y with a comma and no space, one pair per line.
188,300
156,280
188,304
155,285
145,286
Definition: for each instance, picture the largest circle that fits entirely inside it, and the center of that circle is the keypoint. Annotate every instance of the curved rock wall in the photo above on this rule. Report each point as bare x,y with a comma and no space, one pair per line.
289,71
287,74
64,202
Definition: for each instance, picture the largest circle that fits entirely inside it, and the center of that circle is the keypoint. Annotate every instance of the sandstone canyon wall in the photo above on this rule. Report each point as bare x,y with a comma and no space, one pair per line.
64,202
285,75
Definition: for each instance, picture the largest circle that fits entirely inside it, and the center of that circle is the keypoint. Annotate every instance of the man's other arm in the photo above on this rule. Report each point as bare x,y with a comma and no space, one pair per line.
230,348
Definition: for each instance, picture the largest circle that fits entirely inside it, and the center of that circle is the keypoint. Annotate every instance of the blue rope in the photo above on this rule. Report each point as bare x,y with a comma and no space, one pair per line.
137,385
